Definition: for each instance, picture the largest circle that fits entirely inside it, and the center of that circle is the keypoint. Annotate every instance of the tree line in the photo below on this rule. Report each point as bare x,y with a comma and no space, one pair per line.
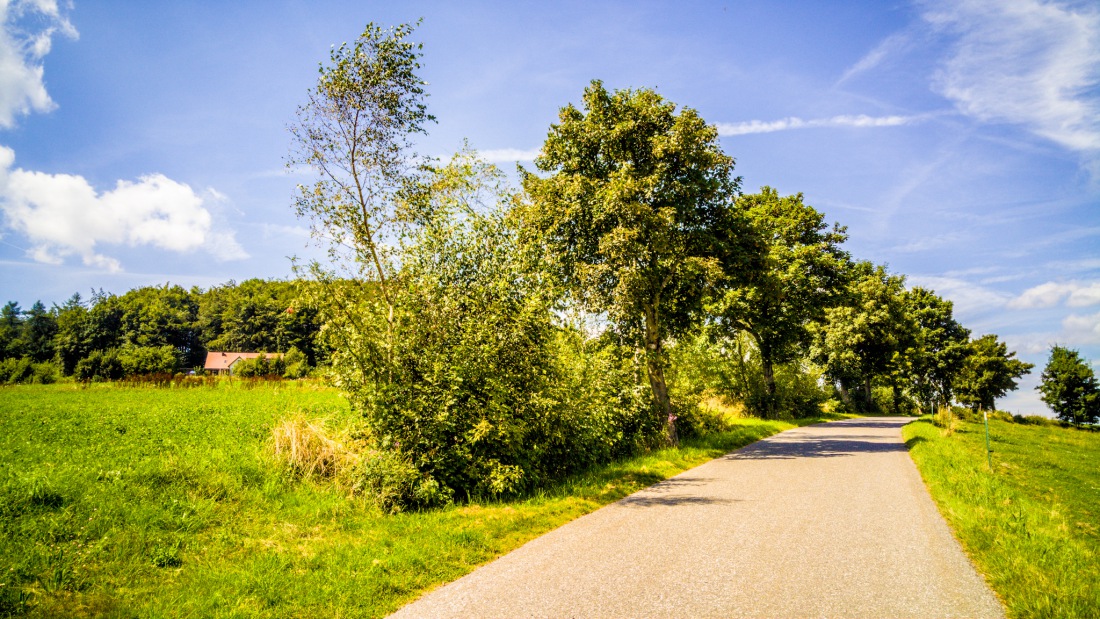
157,330
495,337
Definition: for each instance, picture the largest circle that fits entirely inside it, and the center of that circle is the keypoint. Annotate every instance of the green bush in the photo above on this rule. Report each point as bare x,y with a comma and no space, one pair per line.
24,370
730,368
137,360
297,365
99,365
395,483
260,367
475,384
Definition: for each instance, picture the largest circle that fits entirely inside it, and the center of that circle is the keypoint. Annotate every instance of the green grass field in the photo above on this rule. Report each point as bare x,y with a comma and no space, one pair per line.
132,502
1033,525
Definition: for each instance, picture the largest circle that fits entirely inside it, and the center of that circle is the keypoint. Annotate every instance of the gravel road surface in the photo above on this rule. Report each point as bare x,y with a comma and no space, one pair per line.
829,520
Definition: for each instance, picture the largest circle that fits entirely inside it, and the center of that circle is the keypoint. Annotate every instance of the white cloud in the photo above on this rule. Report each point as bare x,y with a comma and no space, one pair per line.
890,45
1081,330
760,126
508,155
1049,294
968,298
1026,62
63,215
22,89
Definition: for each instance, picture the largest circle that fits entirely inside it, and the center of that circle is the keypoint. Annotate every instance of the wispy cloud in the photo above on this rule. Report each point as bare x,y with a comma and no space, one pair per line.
22,48
969,298
1049,294
793,122
1082,329
508,155
899,41
1026,62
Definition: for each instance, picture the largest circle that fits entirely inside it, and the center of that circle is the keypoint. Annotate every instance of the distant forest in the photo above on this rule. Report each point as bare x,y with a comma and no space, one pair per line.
155,329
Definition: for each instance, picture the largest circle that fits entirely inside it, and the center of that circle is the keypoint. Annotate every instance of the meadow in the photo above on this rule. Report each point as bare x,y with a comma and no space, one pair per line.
150,502
1032,524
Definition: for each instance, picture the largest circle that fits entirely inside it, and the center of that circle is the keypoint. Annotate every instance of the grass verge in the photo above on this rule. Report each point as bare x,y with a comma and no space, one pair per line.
1031,526
124,502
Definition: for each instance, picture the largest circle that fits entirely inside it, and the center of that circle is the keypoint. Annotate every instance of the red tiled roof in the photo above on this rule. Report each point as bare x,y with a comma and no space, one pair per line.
222,360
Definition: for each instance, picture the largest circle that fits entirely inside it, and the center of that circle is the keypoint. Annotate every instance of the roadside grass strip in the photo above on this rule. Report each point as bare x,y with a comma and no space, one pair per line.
121,502
1032,526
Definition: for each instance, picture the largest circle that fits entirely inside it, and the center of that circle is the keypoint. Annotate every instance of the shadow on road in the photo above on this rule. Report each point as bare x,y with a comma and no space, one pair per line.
672,492
829,447
872,423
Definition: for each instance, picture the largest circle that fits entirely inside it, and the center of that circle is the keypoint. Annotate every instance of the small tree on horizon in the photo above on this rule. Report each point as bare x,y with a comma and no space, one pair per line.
1069,387
989,372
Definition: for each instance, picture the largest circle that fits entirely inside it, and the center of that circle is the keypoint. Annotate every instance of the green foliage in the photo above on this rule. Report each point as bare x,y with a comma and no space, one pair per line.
395,483
118,363
732,369
1030,527
469,379
260,367
636,215
257,315
802,272
867,337
296,364
1069,387
100,365
940,351
990,371
23,370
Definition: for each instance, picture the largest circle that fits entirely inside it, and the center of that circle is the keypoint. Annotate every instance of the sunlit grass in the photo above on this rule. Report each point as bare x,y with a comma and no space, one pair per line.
1031,526
136,502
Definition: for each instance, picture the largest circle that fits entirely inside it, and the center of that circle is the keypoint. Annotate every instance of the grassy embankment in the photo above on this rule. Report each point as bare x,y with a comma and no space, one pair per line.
1033,526
168,502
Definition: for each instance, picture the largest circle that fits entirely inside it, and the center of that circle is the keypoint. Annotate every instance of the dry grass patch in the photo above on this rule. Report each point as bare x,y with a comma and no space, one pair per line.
310,450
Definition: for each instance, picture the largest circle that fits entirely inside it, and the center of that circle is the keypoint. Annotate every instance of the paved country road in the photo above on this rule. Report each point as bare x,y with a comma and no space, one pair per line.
829,520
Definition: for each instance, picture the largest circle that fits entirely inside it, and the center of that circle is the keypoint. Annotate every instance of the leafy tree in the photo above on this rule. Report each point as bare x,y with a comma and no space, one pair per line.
1069,387
867,337
296,364
990,372
70,342
941,347
39,328
157,316
355,132
637,212
802,273
257,315
138,360
11,331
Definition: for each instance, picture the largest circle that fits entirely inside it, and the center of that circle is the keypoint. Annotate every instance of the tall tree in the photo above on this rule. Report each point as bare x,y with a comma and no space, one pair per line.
355,131
989,373
636,210
39,328
1069,387
866,337
11,331
801,273
941,347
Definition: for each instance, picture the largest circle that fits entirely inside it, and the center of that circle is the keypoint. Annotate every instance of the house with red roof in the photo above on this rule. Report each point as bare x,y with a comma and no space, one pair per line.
223,362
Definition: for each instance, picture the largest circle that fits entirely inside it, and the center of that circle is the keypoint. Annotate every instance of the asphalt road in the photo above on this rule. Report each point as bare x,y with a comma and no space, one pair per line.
823,521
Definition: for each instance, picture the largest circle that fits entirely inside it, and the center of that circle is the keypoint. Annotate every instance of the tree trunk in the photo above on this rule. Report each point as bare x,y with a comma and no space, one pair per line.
656,370
868,399
844,395
897,397
769,384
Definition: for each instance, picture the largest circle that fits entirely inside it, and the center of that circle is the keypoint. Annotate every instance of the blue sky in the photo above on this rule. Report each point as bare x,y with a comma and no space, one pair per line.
959,141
